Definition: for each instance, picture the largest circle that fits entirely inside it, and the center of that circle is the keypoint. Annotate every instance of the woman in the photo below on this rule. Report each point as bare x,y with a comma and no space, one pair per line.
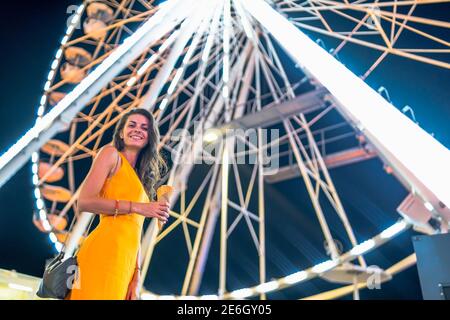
119,187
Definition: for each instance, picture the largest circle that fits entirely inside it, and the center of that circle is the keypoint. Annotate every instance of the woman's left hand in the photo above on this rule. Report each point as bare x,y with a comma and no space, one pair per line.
133,287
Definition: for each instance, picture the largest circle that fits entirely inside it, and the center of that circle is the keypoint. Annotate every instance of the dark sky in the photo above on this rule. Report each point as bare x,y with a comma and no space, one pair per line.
30,33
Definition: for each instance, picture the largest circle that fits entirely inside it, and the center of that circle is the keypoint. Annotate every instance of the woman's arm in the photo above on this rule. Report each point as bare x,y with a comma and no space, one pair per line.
89,199
133,292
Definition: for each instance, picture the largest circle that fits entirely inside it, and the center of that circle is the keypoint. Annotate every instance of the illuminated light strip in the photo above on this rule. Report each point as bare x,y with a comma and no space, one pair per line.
20,287
295,277
163,104
53,238
244,20
394,230
429,206
42,214
225,91
148,296
40,205
314,271
132,81
211,34
226,48
209,297
175,80
155,56
324,266
58,246
47,226
363,247
267,286
242,293
423,162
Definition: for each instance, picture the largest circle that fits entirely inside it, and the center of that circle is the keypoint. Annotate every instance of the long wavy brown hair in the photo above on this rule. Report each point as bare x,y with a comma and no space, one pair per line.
150,165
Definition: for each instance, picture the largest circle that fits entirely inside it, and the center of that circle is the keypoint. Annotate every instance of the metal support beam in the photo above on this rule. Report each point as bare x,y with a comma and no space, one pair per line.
215,207
186,31
275,113
333,160
195,153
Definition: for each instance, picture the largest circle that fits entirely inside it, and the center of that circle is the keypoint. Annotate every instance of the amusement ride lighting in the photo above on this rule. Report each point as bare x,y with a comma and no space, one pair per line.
363,247
241,293
429,206
324,266
211,35
226,47
300,276
394,230
209,297
295,277
244,20
148,296
19,287
167,297
40,205
267,286
211,135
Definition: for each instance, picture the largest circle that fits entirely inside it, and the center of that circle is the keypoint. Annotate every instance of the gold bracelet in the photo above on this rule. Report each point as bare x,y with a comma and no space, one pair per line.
116,209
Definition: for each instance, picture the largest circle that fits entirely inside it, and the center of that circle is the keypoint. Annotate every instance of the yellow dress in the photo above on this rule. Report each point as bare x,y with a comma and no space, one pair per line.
107,257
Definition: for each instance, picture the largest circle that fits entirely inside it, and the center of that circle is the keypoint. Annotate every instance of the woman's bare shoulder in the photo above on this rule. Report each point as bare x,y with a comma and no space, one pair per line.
107,155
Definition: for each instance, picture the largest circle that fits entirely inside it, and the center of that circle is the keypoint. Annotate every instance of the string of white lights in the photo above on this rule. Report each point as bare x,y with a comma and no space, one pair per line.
40,204
299,276
226,47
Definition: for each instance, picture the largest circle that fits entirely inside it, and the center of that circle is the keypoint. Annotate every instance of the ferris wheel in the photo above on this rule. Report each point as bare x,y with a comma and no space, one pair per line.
238,114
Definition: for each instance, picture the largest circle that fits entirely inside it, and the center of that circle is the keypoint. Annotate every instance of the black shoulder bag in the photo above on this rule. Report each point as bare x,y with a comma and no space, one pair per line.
60,274
58,278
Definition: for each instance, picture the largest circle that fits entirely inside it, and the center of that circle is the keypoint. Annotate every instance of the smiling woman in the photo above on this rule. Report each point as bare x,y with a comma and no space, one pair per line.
119,187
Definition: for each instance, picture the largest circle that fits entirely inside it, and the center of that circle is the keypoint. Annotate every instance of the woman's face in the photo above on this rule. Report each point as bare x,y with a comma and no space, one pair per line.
135,132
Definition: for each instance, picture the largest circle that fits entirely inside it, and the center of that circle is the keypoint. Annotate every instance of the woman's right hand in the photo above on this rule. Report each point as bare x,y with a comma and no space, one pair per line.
157,209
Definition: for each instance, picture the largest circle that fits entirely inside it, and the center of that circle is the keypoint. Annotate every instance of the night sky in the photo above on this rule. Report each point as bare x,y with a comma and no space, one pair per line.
30,34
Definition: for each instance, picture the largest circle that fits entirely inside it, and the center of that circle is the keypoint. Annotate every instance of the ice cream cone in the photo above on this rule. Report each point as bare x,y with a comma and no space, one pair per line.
164,192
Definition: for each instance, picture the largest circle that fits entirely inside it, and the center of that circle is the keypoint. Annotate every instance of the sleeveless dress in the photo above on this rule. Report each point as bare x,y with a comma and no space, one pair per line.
107,257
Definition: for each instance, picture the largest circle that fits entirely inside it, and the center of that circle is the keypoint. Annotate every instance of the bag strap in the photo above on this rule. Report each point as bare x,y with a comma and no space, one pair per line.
70,230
